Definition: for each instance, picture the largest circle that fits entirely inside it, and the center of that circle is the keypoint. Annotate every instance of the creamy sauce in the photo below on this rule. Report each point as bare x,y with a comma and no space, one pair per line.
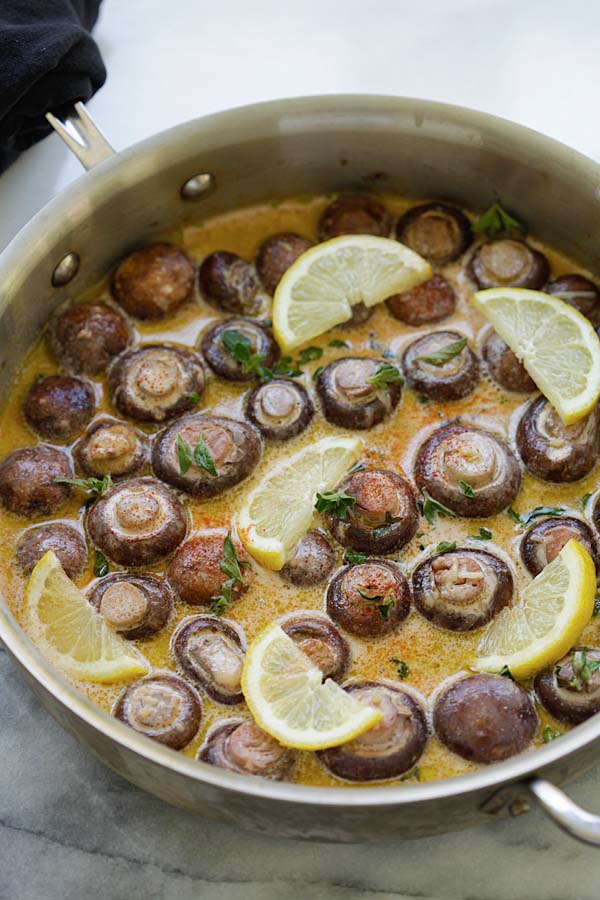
432,654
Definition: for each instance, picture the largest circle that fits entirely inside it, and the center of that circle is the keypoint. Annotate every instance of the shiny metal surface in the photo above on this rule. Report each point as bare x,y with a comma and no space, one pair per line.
82,136
261,153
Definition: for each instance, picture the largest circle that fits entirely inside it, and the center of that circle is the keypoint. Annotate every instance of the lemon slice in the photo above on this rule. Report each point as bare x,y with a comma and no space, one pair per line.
278,512
71,633
556,344
320,289
286,695
556,607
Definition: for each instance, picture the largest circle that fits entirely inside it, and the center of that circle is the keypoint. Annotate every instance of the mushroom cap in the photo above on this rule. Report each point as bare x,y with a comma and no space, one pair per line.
437,231
153,282
163,707
241,746
370,599
64,540
276,255
137,606
87,336
281,409
111,447
59,406
568,702
222,361
210,651
195,572
429,302
320,640
553,451
507,262
354,214
229,282
544,540
504,367
312,561
452,380
349,400
28,485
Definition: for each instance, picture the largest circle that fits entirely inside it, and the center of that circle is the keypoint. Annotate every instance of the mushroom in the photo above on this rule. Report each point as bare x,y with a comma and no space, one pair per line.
58,407
370,599
429,302
384,516
31,481
241,746
433,368
228,282
153,282
506,262
222,452
391,747
348,397
137,606
137,523
311,562
354,214
437,231
64,540
211,652
468,470
195,572
86,337
504,367
554,451
484,718
156,382
544,540
570,689
577,291
250,337
111,447
461,589
163,707
320,640
281,409
276,255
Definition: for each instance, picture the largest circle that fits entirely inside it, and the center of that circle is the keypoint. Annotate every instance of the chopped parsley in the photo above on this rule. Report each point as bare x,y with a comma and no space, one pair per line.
317,372
337,503
383,530
548,734
353,558
286,366
308,354
484,535
194,398
445,546
100,564
444,354
199,455
496,220
584,499
429,508
525,519
240,347
583,669
385,375
385,602
506,673
415,774
97,487
402,668
467,489
338,344
232,566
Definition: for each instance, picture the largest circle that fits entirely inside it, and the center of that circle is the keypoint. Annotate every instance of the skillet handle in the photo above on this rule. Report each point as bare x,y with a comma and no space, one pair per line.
572,818
82,136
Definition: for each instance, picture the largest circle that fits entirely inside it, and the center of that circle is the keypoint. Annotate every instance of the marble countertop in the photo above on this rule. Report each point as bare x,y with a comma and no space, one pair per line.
69,828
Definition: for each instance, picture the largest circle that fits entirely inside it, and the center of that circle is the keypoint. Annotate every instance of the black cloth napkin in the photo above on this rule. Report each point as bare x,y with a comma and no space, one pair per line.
48,61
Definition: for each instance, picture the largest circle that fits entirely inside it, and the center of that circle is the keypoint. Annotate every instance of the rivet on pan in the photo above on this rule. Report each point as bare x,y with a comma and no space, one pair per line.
66,270
197,185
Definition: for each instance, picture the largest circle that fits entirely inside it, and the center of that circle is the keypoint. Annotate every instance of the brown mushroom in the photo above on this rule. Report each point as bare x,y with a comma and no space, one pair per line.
153,282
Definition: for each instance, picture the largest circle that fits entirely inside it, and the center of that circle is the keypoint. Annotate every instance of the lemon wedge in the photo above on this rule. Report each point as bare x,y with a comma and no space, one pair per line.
70,633
320,289
279,510
288,698
556,607
556,344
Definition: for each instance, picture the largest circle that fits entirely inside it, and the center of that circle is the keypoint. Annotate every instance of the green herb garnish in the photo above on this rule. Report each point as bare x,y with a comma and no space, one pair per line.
484,535
240,347
95,486
506,673
415,774
584,499
401,668
496,220
337,503
199,455
466,489
308,354
445,546
230,565
385,602
339,344
526,518
385,375
286,366
444,354
353,558
548,734
100,564
429,507
317,372
194,398
583,669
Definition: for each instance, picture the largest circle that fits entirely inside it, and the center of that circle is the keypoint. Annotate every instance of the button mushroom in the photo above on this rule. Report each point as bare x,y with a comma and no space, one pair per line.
228,282
554,451
228,346
351,394
228,451
391,747
241,746
484,718
195,572
137,523
153,282
64,540
58,407
543,541
111,447
431,301
29,483
354,214
504,367
311,562
137,606
384,516
506,262
577,291
441,366
156,382
276,255
437,231
281,409
163,707
86,337
468,470
370,599
211,652
570,689
320,640
461,589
